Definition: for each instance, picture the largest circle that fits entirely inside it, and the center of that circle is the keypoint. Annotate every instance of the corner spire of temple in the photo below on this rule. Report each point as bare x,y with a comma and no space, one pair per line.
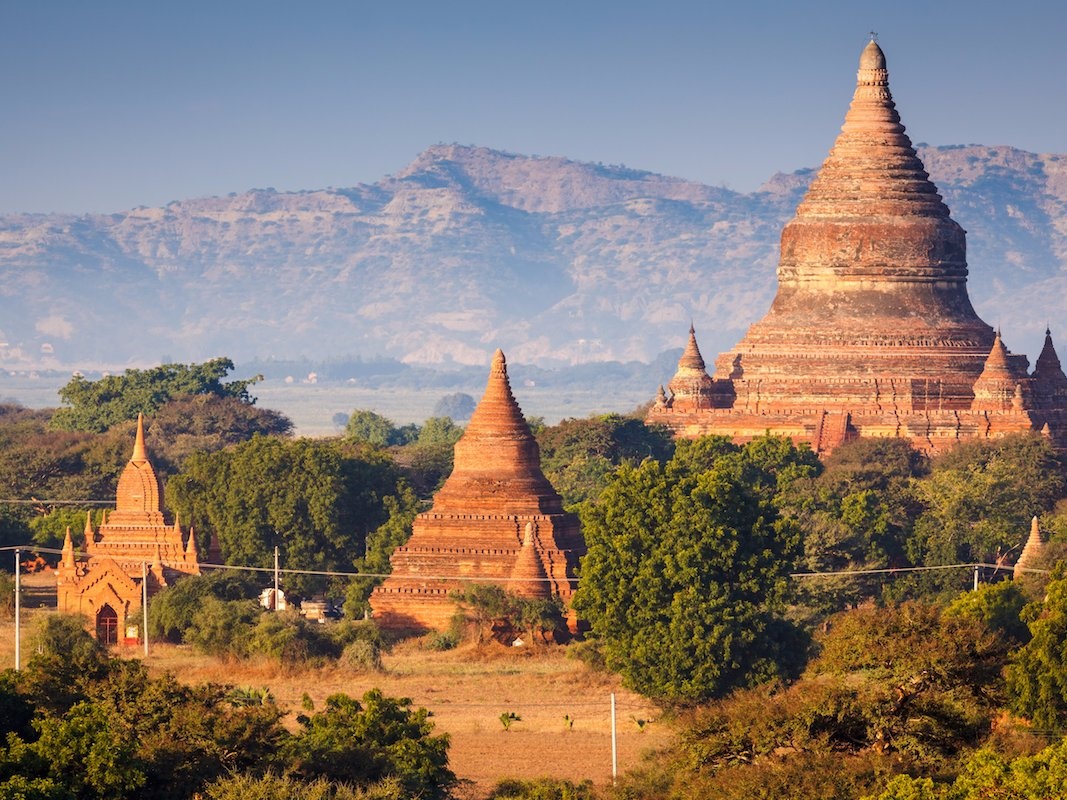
1048,362
691,385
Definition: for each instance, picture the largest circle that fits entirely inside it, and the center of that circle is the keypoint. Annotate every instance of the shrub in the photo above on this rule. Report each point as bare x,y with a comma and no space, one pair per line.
170,614
222,627
362,655
440,641
542,789
366,742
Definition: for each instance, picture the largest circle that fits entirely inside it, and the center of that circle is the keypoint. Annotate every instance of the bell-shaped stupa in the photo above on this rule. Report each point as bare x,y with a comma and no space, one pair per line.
496,520
871,331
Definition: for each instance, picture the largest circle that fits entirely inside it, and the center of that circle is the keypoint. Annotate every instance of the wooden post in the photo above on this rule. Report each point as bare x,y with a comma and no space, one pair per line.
144,606
18,605
614,745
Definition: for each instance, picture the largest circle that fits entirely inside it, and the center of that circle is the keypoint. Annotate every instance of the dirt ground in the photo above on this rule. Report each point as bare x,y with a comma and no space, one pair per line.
466,689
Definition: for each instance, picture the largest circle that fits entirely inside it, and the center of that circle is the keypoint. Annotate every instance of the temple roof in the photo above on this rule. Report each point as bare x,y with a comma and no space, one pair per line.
497,468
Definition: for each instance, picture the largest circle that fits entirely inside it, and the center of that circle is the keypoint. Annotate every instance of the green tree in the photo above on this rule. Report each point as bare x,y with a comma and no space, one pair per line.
857,513
579,455
395,531
371,427
316,500
429,458
686,576
363,743
979,499
1037,676
204,423
999,606
97,405
988,774
170,614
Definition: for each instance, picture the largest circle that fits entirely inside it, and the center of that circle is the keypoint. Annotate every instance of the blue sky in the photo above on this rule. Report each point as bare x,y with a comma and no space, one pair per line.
110,105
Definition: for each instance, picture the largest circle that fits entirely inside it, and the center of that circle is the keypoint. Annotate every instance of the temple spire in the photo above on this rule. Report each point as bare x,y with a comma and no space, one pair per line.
90,537
139,451
68,551
191,553
529,578
1032,550
1047,367
691,386
497,464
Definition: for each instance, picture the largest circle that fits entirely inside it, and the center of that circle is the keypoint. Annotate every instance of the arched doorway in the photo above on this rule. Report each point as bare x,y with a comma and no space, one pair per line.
107,625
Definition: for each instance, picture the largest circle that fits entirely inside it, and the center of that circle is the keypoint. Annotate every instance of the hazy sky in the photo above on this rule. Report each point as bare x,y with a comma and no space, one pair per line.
110,105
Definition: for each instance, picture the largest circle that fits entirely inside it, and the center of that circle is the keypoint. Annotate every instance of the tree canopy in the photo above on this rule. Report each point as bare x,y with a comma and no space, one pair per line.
316,500
97,405
685,580
579,455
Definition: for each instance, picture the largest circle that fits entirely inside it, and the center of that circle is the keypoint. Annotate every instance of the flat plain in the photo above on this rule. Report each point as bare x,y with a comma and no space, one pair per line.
466,689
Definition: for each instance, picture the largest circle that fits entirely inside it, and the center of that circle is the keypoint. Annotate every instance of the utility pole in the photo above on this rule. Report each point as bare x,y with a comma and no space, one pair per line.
275,577
144,606
614,745
18,605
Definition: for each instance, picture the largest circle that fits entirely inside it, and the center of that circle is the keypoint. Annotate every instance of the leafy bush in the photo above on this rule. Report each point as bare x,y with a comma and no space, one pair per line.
223,627
492,611
441,640
276,787
1037,676
542,789
170,614
365,742
362,655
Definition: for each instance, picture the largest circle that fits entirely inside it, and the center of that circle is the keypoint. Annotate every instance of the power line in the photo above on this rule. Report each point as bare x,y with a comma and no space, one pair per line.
36,502
493,579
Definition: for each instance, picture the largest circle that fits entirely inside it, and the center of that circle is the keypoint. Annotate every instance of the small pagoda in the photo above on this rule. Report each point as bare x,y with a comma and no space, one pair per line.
104,581
496,520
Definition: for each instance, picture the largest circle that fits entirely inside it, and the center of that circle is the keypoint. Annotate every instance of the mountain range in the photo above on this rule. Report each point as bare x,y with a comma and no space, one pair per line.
468,249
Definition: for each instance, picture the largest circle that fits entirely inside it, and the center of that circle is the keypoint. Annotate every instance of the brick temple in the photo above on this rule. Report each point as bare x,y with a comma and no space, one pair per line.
106,584
872,332
497,519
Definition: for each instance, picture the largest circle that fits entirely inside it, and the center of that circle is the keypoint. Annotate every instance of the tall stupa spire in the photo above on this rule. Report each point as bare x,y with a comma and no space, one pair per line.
497,467
691,385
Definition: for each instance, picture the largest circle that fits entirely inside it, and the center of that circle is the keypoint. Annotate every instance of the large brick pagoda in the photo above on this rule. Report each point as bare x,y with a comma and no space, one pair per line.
134,540
497,519
871,332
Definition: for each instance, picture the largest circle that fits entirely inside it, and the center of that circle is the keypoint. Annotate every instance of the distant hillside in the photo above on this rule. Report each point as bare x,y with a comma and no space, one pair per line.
468,249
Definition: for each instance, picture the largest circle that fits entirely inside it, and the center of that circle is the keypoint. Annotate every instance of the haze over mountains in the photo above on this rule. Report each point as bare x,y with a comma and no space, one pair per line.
468,249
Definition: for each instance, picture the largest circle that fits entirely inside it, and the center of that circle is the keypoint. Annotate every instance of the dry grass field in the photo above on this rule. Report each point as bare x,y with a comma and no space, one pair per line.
467,689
